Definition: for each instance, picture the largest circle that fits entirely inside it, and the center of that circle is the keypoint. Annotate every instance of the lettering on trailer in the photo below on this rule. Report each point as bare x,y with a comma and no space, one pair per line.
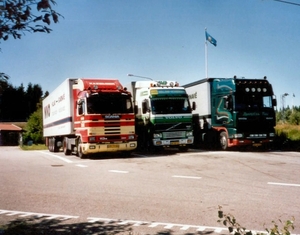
47,111
59,99
193,96
47,108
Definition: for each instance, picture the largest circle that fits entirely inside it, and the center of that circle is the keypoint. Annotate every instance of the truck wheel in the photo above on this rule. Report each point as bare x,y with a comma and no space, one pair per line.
223,140
80,154
50,145
56,149
65,147
53,145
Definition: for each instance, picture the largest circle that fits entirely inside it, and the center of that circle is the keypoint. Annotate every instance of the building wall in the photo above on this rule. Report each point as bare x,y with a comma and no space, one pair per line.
9,138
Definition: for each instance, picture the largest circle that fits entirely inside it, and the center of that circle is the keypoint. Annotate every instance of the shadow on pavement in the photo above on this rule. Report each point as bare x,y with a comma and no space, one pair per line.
34,226
38,226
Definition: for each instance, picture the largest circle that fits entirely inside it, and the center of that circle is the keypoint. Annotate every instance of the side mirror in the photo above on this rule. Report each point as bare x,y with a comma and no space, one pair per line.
136,109
274,102
145,106
194,105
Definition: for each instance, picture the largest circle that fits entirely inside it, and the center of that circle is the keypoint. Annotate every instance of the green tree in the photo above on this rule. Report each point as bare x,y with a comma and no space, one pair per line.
33,95
34,127
294,117
18,17
16,104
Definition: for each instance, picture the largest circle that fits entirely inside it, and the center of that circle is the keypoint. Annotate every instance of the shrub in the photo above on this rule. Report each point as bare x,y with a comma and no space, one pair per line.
235,228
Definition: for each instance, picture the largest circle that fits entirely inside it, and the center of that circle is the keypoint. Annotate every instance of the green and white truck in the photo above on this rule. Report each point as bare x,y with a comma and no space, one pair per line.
163,114
233,111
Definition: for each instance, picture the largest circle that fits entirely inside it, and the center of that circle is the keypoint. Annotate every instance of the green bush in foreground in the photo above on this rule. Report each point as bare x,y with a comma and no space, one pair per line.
235,228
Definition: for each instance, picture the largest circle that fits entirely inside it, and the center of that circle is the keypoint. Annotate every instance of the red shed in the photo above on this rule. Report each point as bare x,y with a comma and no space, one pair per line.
10,134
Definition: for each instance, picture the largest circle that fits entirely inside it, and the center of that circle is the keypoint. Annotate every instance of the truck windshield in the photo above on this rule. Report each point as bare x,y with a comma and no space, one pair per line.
109,103
245,102
170,105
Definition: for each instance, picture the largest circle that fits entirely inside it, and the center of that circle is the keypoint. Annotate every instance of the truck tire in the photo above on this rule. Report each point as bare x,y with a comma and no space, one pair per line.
50,146
53,145
80,154
65,147
223,140
56,148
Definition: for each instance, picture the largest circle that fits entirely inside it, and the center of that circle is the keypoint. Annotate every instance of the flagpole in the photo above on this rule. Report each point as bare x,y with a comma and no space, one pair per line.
293,103
213,41
206,57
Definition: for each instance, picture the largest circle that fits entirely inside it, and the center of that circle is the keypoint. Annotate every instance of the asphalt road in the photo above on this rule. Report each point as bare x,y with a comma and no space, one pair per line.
178,193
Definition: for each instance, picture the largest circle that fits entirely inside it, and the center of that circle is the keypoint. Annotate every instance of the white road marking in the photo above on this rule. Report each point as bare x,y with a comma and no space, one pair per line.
13,213
201,228
169,226
124,222
117,171
156,224
152,225
59,157
93,220
186,177
149,224
81,165
184,227
48,216
218,230
284,184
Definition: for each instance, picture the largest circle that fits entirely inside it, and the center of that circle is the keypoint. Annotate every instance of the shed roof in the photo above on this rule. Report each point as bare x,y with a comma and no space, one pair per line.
9,127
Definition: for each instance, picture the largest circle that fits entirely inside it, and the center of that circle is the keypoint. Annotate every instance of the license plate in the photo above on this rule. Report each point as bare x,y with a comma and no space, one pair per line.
113,146
175,143
256,145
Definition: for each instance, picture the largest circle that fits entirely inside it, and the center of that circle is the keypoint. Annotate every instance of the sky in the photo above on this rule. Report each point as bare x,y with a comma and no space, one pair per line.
162,40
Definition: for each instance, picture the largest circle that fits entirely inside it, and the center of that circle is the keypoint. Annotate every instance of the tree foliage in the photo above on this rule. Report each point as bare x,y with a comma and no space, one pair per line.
34,127
18,103
19,16
289,115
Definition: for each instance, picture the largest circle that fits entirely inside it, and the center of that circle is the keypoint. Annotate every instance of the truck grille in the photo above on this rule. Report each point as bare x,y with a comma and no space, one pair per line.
174,134
112,128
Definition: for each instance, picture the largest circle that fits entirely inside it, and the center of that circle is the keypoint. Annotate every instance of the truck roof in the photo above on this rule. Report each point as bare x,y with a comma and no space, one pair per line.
235,78
99,83
145,84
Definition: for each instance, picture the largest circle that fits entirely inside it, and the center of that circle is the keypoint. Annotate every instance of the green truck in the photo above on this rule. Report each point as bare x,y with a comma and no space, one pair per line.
163,115
233,112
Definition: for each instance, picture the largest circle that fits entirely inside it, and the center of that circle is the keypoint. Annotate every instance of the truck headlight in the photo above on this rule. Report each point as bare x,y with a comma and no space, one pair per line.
272,134
189,133
237,136
131,137
157,135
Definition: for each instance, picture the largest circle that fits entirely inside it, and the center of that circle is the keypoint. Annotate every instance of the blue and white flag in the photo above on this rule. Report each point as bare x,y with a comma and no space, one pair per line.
210,39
